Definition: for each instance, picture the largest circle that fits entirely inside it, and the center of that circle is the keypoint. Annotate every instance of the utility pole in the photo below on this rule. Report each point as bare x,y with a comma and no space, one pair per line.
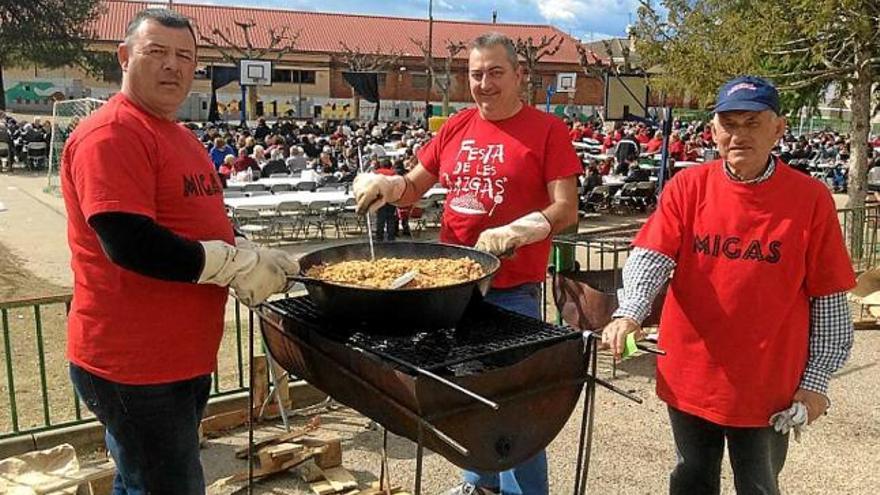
430,63
299,96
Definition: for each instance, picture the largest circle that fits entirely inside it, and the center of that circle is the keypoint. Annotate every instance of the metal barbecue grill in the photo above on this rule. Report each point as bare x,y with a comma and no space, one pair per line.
490,336
486,395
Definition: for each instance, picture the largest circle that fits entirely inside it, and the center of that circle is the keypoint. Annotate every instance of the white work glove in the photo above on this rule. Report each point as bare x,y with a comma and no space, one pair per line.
254,274
372,191
242,242
794,418
502,241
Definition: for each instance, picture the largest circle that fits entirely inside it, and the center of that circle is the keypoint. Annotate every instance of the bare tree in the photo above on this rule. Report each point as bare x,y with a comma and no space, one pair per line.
444,82
281,42
532,53
360,61
591,64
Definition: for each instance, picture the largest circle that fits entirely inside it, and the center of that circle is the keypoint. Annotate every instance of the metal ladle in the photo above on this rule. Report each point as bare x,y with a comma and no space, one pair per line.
369,223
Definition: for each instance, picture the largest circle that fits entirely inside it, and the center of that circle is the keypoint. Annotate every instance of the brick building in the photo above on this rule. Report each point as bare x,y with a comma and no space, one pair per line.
308,81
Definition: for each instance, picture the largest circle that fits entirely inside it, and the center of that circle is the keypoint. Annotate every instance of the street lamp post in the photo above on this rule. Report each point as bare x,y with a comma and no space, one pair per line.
299,96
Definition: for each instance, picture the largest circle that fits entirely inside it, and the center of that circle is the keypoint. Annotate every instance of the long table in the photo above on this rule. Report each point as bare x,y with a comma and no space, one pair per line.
267,182
271,201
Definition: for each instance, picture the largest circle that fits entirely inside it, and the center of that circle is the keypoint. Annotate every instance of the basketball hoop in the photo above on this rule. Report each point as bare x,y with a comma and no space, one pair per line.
255,73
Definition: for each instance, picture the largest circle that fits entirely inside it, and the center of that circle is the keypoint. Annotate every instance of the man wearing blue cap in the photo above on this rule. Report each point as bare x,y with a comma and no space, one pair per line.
755,320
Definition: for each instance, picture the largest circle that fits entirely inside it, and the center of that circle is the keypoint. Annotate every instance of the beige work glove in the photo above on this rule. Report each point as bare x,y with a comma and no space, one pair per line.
372,191
254,274
242,242
504,240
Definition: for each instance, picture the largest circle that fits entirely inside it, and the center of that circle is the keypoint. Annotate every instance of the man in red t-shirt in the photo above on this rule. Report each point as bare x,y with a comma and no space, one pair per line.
655,143
152,254
756,319
577,132
512,174
676,148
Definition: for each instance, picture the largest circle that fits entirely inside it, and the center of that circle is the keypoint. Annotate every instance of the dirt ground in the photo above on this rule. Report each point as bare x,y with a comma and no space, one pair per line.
632,451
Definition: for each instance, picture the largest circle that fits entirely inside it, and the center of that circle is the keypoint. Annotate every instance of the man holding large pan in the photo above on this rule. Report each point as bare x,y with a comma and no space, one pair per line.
152,253
512,174
756,318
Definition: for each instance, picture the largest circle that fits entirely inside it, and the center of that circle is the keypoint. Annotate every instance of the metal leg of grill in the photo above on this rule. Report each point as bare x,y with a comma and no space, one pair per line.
384,478
420,453
275,387
250,416
582,467
591,386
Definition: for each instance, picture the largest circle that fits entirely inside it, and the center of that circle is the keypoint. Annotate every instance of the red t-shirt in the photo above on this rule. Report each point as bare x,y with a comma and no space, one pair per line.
588,132
707,137
122,326
676,150
496,172
736,321
654,145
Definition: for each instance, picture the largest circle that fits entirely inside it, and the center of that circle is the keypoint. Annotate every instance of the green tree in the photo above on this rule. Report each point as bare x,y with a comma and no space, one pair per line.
49,33
805,46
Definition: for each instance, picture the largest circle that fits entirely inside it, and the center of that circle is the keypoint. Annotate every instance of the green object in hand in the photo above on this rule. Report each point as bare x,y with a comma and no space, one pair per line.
629,348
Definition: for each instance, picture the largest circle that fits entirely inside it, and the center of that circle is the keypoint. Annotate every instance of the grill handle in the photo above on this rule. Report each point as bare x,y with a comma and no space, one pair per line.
597,337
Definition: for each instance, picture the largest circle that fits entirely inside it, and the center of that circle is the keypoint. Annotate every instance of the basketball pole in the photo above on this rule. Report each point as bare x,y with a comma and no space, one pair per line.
664,153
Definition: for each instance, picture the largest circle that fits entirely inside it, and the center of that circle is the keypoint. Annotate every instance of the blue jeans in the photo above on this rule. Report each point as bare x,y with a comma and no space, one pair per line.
151,431
756,456
530,477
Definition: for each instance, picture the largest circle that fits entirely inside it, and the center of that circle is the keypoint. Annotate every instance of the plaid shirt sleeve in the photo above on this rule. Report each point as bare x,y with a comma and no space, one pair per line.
831,339
644,273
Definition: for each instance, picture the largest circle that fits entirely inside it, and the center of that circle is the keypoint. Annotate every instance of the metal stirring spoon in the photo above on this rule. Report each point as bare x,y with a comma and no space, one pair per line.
403,279
369,223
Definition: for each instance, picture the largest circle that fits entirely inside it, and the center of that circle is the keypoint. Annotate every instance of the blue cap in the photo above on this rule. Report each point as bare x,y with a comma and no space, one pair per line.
747,93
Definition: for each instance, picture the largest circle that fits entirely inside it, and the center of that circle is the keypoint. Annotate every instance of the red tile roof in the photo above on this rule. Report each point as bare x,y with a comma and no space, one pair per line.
321,32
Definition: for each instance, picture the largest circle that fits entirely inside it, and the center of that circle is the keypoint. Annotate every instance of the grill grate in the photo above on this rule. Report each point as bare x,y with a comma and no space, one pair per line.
486,338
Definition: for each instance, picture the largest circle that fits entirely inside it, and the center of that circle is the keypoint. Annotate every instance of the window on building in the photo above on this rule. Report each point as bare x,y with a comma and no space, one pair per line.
294,76
304,76
441,77
282,75
383,79
419,81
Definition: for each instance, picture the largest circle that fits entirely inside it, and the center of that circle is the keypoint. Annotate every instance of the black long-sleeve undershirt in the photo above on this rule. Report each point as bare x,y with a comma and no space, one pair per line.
137,243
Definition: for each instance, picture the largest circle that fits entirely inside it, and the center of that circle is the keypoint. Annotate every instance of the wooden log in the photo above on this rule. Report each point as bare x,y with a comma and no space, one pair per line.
272,466
340,478
260,381
329,455
310,472
282,450
283,387
291,436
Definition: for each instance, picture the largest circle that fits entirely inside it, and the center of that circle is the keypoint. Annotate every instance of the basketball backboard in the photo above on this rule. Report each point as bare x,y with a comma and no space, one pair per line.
626,97
256,73
566,82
